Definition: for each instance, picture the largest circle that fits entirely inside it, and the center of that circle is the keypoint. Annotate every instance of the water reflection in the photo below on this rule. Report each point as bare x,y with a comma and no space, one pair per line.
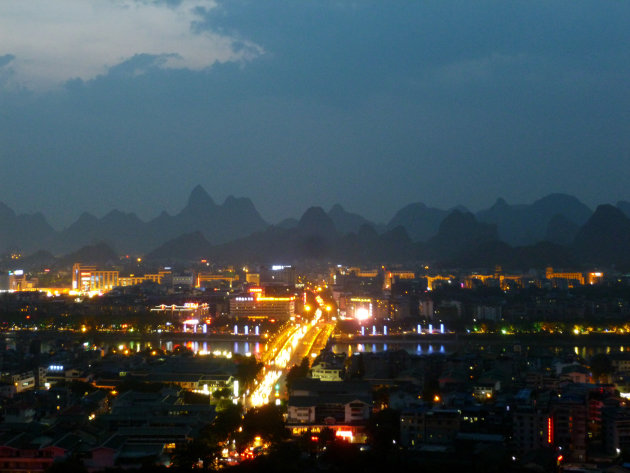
409,347
203,348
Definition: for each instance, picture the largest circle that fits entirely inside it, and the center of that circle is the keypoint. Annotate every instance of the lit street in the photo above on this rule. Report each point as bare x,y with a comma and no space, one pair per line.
287,349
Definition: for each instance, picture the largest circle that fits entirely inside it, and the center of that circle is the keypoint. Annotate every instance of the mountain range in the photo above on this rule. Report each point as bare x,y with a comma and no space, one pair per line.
555,230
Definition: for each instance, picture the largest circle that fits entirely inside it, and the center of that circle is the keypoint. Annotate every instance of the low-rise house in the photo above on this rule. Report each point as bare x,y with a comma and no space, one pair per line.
344,407
326,371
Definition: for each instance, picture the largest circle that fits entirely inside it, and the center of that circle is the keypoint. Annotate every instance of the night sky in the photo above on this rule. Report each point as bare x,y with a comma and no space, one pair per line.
129,104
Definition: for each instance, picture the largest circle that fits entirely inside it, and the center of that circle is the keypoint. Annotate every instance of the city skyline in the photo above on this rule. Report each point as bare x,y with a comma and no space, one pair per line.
292,105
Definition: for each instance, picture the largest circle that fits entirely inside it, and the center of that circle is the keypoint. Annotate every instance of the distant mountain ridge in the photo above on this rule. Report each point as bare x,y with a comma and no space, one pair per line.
127,233
557,228
525,224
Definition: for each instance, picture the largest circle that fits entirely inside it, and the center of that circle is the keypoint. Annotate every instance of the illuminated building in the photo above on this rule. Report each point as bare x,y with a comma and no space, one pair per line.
186,280
89,279
253,278
326,371
278,274
256,306
568,428
342,406
433,281
188,310
484,279
360,308
363,308
569,277
206,279
133,280
595,278
361,273
391,276
17,281
533,429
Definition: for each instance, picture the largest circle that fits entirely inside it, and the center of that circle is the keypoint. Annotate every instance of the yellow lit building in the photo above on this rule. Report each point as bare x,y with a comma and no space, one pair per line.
255,306
89,279
363,273
208,277
253,278
550,274
391,276
483,278
595,277
132,280
431,280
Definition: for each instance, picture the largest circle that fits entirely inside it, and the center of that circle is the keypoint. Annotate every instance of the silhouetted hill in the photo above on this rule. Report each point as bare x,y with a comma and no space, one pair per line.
188,247
420,221
315,234
315,222
525,224
367,246
556,230
459,232
235,218
99,254
199,202
24,232
491,253
37,261
395,246
605,237
315,238
561,230
346,222
125,231
287,223
624,206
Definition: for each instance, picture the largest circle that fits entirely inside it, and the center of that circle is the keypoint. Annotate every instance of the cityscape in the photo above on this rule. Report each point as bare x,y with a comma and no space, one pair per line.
314,236
175,360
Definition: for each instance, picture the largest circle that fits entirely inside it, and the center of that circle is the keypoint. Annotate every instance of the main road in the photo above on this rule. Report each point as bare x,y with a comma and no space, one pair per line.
288,348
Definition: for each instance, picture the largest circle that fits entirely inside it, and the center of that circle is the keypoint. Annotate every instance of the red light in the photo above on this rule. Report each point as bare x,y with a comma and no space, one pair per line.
314,438
560,458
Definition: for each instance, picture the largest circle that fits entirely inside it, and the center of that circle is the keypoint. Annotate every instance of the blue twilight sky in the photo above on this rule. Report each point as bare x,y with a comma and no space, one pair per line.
129,104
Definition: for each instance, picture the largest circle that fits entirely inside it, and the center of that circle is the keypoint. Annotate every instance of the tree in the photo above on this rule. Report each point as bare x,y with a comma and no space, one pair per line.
223,393
247,368
227,421
266,422
296,372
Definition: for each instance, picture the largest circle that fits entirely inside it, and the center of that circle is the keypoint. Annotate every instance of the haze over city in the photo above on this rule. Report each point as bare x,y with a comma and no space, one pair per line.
129,104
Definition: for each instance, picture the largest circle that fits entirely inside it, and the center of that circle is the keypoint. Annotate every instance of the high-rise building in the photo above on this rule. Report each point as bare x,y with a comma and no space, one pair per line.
89,279
256,306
